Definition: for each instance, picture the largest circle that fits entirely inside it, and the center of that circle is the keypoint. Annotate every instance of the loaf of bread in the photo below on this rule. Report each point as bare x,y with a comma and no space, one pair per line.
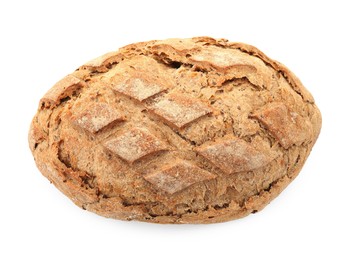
176,131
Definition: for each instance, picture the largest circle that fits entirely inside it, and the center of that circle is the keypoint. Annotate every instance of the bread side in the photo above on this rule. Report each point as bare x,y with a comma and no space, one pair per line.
177,131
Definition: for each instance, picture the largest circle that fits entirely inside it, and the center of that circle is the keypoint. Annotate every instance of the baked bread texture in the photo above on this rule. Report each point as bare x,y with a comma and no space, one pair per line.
197,130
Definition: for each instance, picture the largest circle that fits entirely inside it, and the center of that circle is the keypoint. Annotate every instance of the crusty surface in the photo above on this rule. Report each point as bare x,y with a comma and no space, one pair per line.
176,131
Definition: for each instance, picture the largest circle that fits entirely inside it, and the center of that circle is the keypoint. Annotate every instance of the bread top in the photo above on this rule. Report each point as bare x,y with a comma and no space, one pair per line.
175,124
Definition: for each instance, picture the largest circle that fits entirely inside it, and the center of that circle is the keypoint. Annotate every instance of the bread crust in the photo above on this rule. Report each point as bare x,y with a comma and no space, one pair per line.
196,130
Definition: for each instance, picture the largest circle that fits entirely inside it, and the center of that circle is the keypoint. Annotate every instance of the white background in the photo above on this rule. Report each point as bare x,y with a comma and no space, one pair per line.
42,41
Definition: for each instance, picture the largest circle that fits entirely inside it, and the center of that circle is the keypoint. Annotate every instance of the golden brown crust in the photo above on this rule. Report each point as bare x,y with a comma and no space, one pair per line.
177,131
61,90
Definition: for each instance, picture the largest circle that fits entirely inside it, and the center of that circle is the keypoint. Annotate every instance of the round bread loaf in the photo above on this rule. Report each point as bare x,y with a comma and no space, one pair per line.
176,131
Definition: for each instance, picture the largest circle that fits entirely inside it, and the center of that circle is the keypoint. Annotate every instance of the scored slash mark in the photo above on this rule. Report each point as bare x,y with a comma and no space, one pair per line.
135,144
179,110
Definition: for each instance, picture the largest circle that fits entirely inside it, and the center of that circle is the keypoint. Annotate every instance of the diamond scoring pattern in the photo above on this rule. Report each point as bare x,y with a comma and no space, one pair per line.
135,144
177,109
178,176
